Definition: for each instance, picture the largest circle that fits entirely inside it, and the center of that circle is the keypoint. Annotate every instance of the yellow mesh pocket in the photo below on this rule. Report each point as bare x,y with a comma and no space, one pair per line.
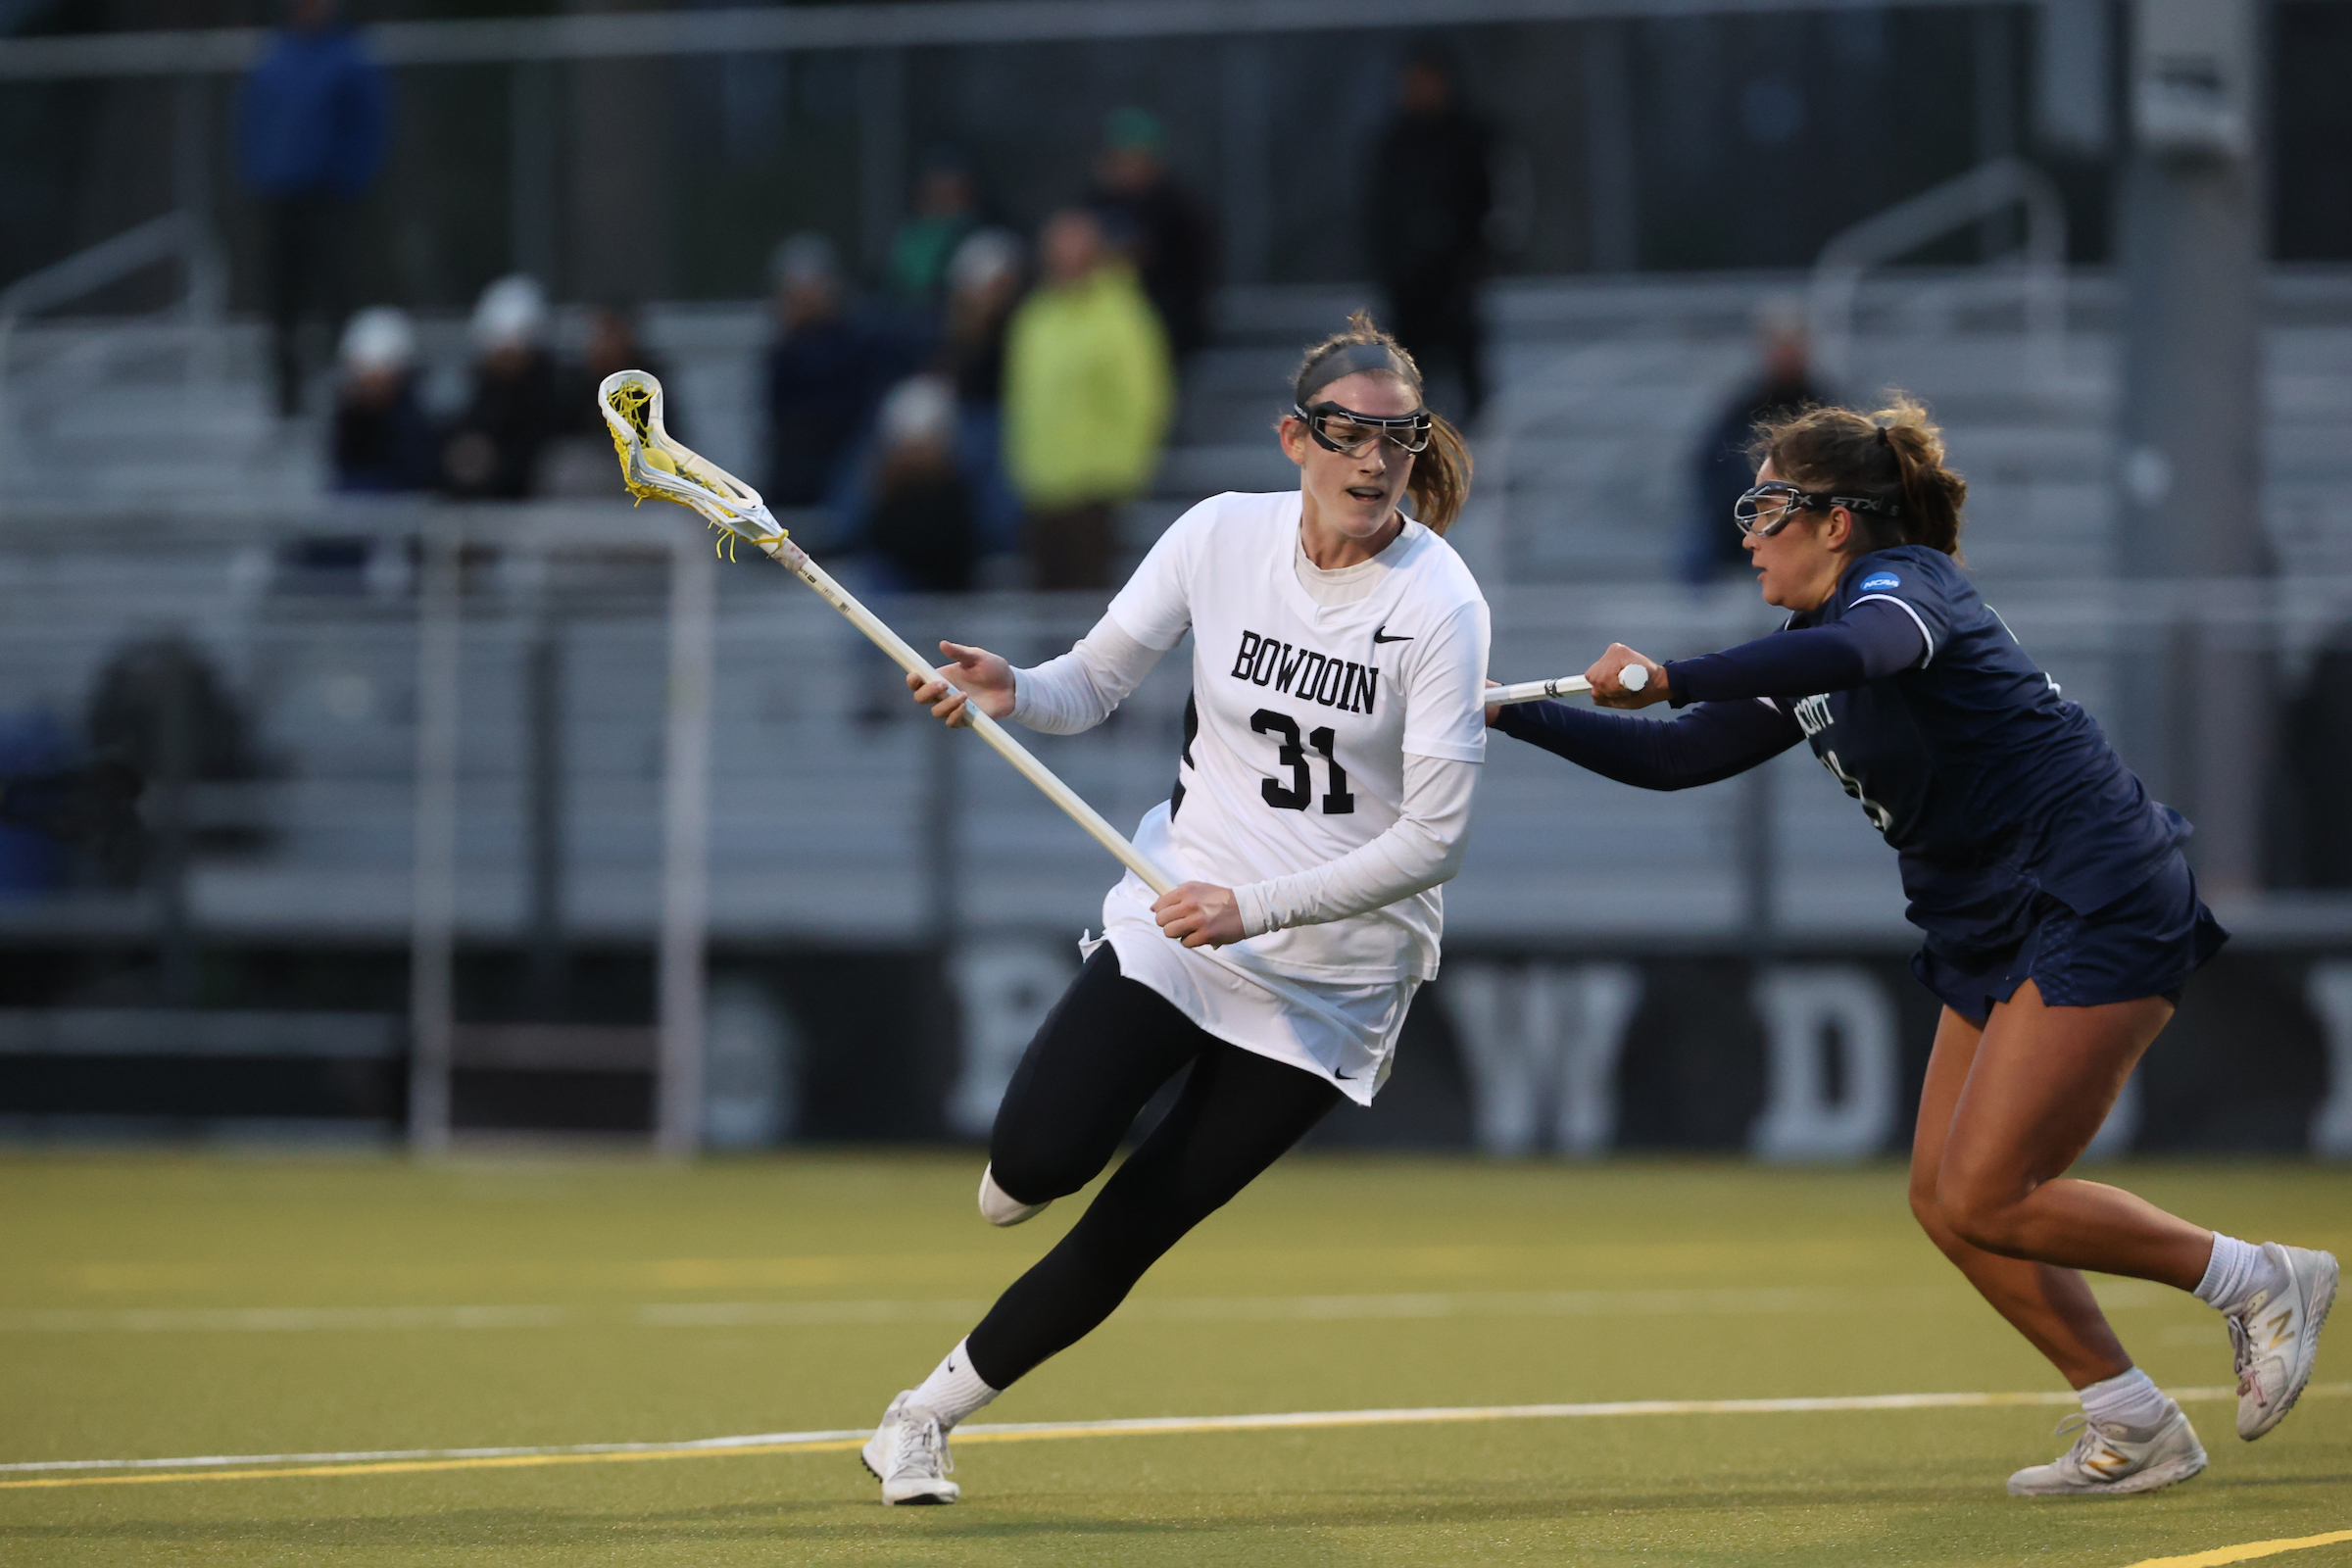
633,401
646,449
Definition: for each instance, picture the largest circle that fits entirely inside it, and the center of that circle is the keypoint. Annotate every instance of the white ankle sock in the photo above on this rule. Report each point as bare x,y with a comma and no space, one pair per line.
2235,1273
953,1389
2126,1400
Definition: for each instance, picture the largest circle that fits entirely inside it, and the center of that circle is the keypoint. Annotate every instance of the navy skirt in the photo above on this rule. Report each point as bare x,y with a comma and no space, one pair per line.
2145,944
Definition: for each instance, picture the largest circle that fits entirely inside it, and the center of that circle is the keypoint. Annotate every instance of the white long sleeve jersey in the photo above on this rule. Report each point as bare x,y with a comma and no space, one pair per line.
1323,773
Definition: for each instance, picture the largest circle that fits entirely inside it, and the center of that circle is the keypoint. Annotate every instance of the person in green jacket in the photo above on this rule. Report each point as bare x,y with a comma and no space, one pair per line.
1089,390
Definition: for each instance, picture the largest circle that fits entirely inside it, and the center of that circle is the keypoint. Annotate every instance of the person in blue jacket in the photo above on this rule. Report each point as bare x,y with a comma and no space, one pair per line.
313,121
2060,917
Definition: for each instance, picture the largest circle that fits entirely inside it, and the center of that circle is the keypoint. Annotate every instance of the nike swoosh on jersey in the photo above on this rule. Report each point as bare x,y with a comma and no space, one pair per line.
1380,635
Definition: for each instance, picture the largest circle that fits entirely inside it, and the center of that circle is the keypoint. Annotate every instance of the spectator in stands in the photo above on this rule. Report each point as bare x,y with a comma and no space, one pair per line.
946,209
615,344
384,441
1173,240
984,284
1721,468
826,371
515,407
33,754
161,707
1425,219
920,523
1087,394
47,806
312,120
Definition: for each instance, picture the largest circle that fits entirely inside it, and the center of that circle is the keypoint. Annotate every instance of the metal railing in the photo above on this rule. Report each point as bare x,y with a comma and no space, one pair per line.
1983,193
918,24
178,237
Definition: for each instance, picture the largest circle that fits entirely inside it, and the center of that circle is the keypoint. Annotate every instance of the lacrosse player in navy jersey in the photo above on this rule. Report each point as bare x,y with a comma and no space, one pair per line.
2060,917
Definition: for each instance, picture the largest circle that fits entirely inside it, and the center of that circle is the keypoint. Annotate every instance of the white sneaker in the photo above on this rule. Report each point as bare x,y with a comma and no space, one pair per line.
908,1454
999,1208
2109,1460
2275,1338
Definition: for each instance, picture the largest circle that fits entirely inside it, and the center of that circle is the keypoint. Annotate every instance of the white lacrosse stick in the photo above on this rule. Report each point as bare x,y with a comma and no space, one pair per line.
1634,678
657,467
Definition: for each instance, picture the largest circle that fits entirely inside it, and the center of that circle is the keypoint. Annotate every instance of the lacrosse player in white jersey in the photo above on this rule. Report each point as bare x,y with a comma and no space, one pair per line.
1332,744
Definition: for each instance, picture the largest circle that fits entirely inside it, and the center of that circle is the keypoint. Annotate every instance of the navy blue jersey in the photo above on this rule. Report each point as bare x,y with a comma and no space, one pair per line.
1974,765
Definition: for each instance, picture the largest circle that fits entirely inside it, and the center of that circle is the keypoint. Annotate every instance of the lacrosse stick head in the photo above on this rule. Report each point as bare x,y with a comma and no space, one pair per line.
657,467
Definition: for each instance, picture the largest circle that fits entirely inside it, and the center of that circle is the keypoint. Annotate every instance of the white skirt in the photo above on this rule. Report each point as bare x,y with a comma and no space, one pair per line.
1345,1034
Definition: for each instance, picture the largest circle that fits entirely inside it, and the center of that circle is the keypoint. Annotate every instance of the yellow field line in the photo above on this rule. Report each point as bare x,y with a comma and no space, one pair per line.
2247,1552
260,1467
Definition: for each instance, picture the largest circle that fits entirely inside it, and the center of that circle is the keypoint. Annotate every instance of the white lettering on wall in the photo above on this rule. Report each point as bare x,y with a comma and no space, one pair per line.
1540,1045
1003,990
2113,1141
1809,1013
751,1067
2329,991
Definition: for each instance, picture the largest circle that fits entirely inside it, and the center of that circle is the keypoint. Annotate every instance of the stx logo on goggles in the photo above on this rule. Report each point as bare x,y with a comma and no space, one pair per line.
1303,674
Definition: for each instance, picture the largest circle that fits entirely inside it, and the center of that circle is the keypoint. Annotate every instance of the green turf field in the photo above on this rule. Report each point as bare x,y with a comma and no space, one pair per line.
642,1303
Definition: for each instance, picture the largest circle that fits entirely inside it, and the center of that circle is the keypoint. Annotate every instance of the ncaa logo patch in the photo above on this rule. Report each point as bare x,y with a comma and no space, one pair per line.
1880,579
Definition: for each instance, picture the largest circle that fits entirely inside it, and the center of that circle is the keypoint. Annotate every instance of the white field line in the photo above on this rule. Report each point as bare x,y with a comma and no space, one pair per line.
1017,1430
278,1319
378,1456
1205,1308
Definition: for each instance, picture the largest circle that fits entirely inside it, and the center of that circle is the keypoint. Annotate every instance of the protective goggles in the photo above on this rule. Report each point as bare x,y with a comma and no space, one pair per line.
1765,509
1353,434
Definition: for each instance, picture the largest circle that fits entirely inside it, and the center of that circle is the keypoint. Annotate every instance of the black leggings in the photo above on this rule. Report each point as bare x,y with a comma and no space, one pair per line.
1108,1044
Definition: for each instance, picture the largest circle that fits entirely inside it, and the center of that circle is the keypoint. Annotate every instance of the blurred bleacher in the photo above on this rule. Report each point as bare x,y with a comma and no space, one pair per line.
147,488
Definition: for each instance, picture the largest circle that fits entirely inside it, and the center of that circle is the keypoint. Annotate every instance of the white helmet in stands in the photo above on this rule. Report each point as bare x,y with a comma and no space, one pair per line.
511,313
378,340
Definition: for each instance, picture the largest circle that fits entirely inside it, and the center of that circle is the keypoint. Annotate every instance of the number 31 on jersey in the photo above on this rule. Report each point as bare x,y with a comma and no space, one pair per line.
1299,793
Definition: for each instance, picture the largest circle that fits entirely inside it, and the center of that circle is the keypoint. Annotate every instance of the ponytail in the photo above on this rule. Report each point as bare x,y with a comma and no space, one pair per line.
1441,481
1894,455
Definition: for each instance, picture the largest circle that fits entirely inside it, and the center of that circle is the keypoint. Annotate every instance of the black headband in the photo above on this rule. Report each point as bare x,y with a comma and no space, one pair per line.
1353,360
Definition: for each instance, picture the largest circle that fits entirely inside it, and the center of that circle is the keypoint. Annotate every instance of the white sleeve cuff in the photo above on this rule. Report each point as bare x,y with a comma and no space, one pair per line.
1079,689
1026,709
1258,919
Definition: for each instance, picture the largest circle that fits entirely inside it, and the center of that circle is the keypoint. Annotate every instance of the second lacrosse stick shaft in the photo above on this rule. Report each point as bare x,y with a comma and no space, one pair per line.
1535,691
1635,680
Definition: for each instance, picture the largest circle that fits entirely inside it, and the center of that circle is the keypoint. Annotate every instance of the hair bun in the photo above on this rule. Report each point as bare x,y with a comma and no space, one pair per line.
1844,451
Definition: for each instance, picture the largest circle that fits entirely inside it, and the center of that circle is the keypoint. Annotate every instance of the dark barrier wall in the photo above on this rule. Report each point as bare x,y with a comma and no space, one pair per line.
2242,1068
1808,1055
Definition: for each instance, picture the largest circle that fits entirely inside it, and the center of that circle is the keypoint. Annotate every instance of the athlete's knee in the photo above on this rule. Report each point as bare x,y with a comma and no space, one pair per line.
1031,1173
1924,1206
1985,1211
1039,1155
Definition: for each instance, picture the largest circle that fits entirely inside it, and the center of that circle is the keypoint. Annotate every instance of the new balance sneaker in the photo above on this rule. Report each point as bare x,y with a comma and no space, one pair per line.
2109,1460
2275,1338
999,1208
908,1454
